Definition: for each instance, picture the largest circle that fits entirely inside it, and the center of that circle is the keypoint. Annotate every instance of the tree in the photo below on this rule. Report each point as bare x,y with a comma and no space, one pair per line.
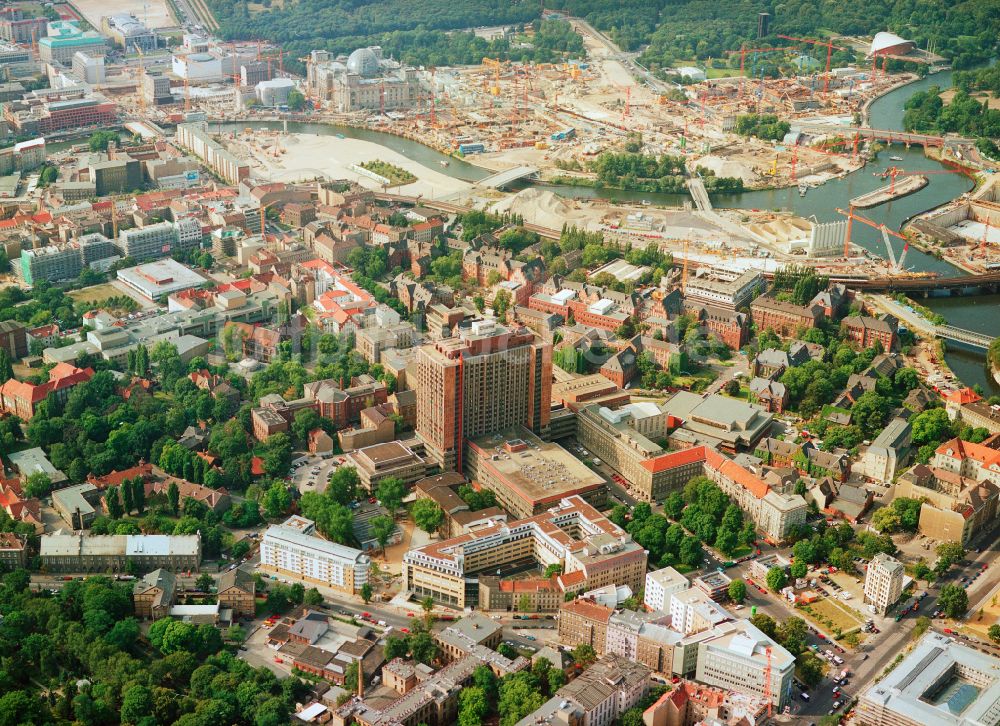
792,633
427,605
809,668
519,696
296,100
113,503
765,624
501,304
204,582
427,515
366,593
472,706
396,648
343,485
137,703
37,485
799,569
174,497
6,365
584,655
931,426
128,500
994,633
776,579
99,140
390,492
921,571
381,529
276,500
948,554
954,600
314,598
737,591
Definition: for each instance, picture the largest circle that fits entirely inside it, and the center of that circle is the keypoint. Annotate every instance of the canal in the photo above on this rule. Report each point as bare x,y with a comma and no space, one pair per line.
978,313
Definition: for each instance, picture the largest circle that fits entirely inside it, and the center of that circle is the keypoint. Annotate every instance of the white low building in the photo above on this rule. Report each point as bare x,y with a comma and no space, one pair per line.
293,549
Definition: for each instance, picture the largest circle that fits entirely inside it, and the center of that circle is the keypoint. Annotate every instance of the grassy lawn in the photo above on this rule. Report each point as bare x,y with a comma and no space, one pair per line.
95,293
831,615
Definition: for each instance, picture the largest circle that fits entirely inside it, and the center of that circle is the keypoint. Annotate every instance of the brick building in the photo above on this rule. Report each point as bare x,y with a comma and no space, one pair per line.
784,318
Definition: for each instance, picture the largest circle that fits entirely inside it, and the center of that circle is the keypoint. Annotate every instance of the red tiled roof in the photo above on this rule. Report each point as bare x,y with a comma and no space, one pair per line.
962,396
674,459
588,609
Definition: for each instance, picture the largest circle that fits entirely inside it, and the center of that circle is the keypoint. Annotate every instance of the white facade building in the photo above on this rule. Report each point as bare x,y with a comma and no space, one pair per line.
883,582
661,585
737,659
292,549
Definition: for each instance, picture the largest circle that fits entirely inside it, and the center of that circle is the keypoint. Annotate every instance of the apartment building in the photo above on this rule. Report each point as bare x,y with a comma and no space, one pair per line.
64,38
955,508
590,548
76,552
293,549
529,475
883,583
160,239
195,138
980,462
731,326
888,453
661,585
598,697
738,656
458,381
16,28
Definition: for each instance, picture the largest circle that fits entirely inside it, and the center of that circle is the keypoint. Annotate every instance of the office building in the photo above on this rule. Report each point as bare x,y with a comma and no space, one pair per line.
941,682
598,697
784,318
13,339
40,117
237,591
61,552
883,583
592,550
195,138
160,279
55,263
76,504
88,68
738,656
529,475
865,331
115,176
695,611
293,549
154,594
390,459
458,381
661,585
723,288
888,453
21,398
16,28
160,239
129,33
363,80
156,88
717,421
64,38
13,552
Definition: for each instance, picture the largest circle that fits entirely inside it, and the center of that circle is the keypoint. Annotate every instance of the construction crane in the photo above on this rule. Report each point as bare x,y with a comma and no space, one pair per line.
828,44
684,271
767,682
851,216
743,56
142,81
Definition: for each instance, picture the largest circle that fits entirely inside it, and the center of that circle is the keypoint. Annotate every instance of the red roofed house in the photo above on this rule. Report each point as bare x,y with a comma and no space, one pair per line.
115,478
21,399
215,499
19,508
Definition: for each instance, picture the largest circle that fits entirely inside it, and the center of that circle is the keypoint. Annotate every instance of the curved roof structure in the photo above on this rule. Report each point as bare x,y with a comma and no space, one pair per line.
890,44
364,62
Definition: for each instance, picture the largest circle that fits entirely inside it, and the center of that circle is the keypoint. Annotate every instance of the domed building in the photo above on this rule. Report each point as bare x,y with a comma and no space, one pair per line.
363,62
890,44
364,80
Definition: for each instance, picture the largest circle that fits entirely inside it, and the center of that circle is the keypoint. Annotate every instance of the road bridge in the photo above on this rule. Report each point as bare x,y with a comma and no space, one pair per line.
508,176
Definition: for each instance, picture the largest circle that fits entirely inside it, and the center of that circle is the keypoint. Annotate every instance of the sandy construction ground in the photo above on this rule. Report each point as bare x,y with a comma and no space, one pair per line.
155,15
308,156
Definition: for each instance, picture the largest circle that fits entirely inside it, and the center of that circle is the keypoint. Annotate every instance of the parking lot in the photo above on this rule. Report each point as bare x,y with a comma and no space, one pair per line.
310,473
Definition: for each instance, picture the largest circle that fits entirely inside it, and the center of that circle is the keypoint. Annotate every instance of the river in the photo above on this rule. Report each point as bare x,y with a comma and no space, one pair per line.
973,313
